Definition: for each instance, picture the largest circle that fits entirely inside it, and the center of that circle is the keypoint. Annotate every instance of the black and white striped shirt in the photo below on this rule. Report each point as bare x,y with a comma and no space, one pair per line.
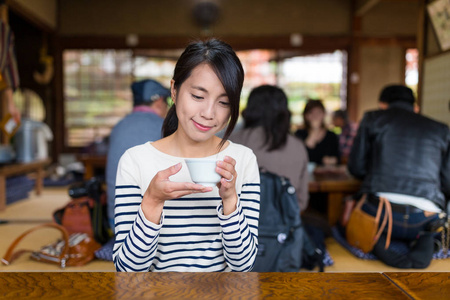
193,234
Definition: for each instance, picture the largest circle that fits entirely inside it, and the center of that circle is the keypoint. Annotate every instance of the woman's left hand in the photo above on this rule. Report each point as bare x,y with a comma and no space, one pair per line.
227,185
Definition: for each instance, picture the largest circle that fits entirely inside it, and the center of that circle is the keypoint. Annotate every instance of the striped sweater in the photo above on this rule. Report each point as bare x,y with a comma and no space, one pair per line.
193,235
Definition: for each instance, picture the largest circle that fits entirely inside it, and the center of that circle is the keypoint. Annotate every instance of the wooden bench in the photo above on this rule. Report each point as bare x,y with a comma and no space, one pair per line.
18,169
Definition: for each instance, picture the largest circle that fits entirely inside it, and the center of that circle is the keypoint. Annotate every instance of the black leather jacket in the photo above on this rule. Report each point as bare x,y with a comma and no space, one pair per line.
399,151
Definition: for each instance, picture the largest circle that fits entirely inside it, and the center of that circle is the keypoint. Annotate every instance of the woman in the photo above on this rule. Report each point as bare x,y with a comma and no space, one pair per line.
266,132
163,221
322,144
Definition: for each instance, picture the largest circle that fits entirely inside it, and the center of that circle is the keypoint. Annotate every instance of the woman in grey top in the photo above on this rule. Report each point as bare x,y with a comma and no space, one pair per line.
267,132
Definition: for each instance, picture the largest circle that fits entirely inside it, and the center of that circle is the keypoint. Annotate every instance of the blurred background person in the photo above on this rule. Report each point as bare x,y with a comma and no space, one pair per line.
143,124
267,132
322,145
347,133
404,157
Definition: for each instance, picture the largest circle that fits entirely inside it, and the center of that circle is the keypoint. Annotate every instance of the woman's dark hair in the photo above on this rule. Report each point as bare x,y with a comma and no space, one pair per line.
267,106
310,105
227,66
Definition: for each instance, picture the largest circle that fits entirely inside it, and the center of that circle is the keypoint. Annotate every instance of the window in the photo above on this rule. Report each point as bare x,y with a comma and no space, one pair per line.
97,89
97,83
319,76
259,67
412,69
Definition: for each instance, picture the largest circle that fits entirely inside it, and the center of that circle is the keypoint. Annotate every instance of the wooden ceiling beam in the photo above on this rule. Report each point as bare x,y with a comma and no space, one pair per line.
177,42
366,7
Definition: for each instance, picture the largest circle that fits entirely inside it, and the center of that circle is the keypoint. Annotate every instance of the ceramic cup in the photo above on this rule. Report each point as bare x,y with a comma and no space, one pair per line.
311,167
203,171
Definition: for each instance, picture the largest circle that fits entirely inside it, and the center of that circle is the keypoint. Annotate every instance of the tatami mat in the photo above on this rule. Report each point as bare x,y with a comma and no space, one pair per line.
27,213
37,208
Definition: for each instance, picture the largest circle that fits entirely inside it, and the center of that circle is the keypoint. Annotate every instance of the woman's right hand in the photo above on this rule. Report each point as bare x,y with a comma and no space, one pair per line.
314,137
161,189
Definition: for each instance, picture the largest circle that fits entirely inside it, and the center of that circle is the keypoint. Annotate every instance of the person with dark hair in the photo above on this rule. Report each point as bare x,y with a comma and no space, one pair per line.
322,144
348,132
266,131
163,221
144,123
405,158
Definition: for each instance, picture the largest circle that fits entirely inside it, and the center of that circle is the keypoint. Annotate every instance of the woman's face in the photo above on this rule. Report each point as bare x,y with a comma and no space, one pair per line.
315,117
202,105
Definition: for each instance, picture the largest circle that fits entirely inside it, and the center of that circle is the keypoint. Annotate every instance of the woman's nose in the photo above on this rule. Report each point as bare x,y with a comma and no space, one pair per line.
208,111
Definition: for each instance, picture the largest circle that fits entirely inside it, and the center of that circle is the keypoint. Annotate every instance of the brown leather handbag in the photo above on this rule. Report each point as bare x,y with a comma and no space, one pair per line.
86,212
364,230
80,249
76,216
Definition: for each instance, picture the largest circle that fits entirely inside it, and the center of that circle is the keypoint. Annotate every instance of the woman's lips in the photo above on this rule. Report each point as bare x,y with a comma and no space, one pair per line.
202,127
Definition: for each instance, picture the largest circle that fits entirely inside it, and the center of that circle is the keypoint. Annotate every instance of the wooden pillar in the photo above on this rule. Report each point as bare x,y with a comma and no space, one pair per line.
421,42
353,74
4,102
58,102
4,13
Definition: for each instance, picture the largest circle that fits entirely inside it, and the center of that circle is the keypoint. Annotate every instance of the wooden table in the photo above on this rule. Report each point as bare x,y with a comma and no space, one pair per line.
91,163
22,168
337,186
423,285
170,285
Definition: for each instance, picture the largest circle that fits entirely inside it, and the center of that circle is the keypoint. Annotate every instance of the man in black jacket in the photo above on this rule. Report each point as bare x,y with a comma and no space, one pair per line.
404,157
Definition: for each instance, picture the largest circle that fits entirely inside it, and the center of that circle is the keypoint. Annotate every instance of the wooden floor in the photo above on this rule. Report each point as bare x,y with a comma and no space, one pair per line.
38,209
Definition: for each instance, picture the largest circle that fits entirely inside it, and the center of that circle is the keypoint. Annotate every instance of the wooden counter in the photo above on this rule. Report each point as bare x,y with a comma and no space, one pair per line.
94,285
423,285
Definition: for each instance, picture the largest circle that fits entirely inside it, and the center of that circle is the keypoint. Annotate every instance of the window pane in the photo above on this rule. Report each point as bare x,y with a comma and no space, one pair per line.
159,69
259,69
96,93
412,69
316,76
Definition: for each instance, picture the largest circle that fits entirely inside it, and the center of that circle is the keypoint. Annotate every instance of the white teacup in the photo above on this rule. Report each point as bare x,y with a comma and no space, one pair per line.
311,167
203,171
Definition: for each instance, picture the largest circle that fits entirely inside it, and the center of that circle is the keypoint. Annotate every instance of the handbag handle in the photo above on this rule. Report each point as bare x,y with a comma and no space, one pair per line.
387,220
10,256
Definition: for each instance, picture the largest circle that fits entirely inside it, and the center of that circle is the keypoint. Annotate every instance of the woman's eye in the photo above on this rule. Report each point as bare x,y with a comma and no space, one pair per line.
224,103
196,97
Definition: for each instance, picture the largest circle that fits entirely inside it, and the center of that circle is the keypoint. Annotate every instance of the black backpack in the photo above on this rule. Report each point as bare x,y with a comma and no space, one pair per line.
280,230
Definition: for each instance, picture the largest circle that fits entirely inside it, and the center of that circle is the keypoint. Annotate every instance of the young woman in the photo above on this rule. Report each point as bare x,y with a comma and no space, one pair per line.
164,222
322,144
267,122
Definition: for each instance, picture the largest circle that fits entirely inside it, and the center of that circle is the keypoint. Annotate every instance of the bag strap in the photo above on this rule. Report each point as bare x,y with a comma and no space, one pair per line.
388,212
387,220
10,255
360,203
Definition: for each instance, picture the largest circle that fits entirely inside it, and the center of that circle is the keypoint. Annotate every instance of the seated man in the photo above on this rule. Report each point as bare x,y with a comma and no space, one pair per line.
142,125
404,157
